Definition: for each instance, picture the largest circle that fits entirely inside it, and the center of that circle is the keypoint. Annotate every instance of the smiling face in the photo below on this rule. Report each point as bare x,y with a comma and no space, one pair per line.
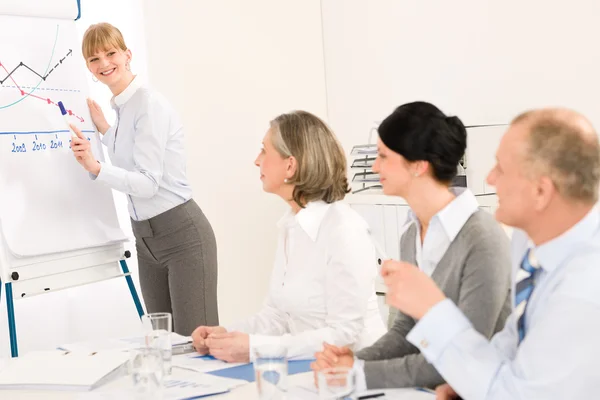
107,56
516,191
111,67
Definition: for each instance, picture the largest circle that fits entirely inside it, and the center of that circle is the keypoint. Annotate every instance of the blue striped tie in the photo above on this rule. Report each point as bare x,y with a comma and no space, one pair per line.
525,288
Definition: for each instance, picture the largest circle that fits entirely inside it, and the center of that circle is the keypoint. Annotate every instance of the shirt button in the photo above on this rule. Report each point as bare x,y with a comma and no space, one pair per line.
424,343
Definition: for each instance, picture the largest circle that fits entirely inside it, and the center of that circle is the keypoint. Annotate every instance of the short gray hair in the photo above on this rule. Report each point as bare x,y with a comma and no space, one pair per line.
563,145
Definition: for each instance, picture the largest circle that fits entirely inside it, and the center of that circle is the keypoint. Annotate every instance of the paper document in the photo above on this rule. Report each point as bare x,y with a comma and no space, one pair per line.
198,363
183,386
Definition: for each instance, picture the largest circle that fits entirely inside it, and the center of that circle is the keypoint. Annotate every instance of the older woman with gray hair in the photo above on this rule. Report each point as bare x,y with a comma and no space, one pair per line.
323,281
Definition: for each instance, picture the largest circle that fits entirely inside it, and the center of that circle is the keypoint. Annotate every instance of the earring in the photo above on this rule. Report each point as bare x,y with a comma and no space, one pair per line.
285,180
416,174
94,79
127,67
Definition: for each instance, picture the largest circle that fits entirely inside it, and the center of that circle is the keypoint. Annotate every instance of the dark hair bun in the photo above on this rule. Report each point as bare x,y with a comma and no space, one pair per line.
420,131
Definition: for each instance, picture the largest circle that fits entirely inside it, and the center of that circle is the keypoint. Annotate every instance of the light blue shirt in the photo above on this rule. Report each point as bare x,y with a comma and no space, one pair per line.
443,229
558,358
145,146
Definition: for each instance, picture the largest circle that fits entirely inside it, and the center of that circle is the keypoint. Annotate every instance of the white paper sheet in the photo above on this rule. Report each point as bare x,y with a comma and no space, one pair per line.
195,362
184,386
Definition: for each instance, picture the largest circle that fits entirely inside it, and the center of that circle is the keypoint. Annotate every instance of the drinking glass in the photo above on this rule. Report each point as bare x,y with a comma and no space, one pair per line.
336,383
147,373
157,333
271,369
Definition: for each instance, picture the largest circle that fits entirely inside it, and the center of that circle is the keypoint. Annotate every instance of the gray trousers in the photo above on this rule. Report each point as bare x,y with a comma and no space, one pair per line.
177,258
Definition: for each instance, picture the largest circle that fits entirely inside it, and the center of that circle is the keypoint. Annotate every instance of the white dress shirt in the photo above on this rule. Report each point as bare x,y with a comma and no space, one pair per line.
558,358
145,146
323,284
443,229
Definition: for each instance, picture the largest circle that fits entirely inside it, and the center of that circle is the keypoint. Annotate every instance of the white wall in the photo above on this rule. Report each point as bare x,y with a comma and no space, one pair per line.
229,67
486,61
102,309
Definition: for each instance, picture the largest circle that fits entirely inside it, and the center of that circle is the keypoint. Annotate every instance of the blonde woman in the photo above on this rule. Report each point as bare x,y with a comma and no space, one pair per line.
175,243
322,285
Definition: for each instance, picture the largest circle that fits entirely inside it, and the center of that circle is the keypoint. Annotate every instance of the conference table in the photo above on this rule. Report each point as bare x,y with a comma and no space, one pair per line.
300,385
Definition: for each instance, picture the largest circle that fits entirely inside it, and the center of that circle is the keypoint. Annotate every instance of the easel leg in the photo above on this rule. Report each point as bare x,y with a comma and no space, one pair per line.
12,328
136,299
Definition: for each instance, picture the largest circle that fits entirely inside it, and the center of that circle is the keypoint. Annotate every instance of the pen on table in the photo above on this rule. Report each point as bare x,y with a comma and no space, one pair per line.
426,390
63,111
370,396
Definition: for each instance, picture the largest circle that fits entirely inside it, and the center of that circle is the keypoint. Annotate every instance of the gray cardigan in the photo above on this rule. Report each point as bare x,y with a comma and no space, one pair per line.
475,273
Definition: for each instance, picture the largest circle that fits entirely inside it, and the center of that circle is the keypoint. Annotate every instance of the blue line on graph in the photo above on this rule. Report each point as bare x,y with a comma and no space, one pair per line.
42,132
40,82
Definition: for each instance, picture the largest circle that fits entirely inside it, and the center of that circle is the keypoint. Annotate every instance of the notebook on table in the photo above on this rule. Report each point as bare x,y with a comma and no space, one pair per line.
60,370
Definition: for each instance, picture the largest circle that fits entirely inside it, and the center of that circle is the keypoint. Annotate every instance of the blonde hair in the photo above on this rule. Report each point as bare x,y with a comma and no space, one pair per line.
321,163
563,145
102,36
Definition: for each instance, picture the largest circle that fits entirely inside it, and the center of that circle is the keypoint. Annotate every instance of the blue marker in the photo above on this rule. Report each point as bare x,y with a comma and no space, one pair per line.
65,115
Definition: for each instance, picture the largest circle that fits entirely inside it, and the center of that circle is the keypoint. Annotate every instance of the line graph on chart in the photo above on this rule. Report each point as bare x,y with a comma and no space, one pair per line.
36,72
48,203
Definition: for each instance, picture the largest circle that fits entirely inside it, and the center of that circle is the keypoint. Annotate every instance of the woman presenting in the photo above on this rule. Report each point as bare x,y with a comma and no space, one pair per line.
176,247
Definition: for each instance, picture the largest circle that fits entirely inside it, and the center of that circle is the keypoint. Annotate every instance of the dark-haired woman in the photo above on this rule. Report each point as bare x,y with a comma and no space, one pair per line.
462,248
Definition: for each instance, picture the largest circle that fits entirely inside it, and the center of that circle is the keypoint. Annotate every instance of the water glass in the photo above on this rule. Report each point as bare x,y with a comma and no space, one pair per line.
271,369
146,369
336,383
157,333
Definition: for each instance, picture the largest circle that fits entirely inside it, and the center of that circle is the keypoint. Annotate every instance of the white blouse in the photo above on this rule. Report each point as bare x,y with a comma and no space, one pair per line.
323,284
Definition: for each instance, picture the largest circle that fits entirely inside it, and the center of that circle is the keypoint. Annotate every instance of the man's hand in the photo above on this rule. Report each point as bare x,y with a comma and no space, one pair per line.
409,289
230,346
201,333
445,392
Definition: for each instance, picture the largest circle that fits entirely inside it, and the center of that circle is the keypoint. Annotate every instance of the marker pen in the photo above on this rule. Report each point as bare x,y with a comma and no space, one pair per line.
65,115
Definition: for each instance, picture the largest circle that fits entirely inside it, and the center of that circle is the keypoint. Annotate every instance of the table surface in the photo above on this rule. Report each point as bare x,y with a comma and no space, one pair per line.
299,389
